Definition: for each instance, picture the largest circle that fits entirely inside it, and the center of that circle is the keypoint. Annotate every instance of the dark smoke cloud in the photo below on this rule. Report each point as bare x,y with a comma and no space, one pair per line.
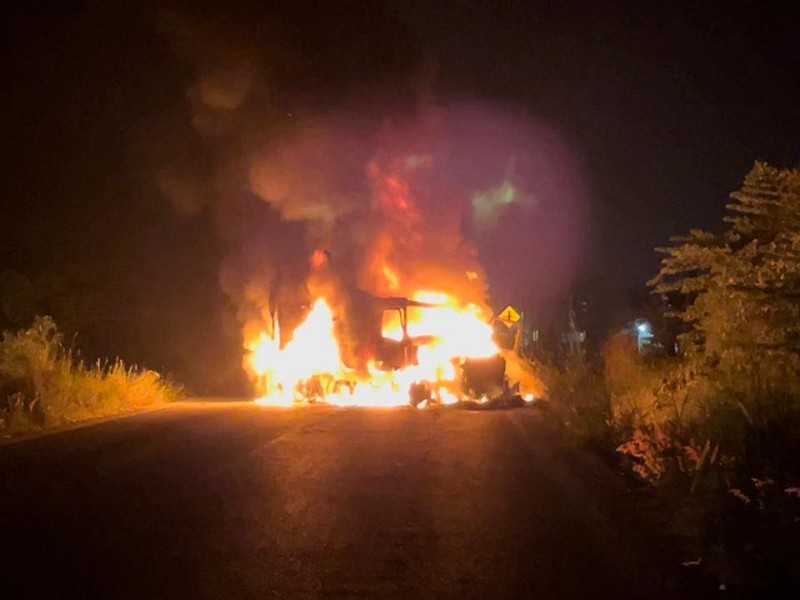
319,174
435,191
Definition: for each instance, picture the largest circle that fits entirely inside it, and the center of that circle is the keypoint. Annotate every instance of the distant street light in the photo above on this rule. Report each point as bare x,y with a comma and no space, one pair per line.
644,333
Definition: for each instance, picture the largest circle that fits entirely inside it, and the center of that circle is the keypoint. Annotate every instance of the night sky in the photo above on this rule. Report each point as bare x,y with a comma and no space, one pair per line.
665,108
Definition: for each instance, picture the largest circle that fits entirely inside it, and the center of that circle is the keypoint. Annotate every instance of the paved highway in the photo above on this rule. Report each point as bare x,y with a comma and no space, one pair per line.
226,500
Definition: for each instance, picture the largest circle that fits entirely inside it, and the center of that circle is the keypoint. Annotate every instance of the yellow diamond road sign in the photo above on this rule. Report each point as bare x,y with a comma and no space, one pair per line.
509,316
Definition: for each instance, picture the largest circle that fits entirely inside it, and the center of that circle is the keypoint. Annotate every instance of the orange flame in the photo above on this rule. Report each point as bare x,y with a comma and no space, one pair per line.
310,366
392,281
318,259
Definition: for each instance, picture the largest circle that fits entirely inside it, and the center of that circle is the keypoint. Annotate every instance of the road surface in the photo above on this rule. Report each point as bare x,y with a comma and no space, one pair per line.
226,500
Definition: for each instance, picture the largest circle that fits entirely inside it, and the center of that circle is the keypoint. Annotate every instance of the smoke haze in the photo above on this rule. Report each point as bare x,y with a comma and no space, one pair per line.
466,197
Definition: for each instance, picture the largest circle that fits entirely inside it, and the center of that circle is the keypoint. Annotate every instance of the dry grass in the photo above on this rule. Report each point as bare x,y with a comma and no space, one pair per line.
43,385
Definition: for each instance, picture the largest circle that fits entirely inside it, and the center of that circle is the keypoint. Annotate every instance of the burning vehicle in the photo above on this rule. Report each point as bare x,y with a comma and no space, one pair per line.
400,315
383,351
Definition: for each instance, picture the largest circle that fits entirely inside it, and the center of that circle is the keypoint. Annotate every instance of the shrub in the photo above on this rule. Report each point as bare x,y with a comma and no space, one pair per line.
721,456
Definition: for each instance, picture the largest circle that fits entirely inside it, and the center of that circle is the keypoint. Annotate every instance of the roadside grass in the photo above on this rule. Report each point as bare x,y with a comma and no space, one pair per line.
44,385
579,399
720,457
710,455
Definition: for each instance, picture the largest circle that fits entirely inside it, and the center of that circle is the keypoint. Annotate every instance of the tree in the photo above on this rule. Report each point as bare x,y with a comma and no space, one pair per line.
740,289
720,433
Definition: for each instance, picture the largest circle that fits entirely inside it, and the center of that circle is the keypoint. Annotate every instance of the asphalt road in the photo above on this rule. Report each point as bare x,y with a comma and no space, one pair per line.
233,500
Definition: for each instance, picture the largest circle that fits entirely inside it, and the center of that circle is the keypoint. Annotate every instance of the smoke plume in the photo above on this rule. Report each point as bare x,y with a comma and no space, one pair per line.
402,196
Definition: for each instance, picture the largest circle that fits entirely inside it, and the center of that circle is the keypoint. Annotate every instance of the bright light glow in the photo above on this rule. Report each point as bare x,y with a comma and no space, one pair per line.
457,331
310,366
